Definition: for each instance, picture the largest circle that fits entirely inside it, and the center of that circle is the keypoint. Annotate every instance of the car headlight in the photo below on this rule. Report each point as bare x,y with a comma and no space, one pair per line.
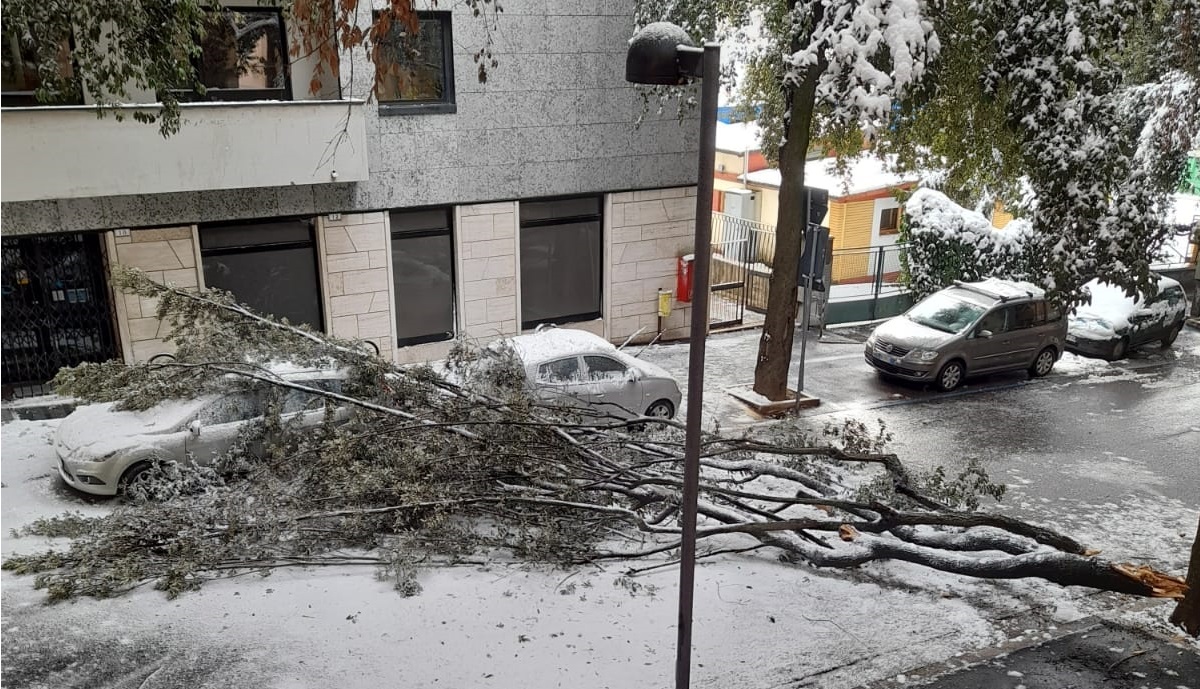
923,354
102,458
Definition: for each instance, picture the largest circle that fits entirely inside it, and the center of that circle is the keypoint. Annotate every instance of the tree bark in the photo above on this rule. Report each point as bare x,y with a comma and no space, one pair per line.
1187,612
779,325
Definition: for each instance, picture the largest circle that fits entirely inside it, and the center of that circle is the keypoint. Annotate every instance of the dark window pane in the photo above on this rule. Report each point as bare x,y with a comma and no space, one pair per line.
533,211
243,50
417,69
1025,315
560,272
281,282
420,220
560,371
889,221
603,368
424,277
20,71
996,321
256,234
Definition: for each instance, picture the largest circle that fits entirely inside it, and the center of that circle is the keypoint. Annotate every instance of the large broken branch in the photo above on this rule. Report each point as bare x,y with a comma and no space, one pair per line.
435,469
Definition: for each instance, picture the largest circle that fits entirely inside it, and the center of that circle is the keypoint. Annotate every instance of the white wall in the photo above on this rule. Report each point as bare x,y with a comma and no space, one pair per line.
67,153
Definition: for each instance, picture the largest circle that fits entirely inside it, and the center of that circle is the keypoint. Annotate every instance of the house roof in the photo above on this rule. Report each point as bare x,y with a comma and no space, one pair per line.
739,137
864,173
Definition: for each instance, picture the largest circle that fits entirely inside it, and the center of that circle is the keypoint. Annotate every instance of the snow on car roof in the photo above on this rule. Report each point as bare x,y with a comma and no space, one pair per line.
558,342
1110,302
1005,289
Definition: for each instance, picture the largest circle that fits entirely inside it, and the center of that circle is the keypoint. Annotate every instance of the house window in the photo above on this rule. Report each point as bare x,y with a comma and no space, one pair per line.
417,70
889,221
560,261
423,268
269,265
21,78
243,56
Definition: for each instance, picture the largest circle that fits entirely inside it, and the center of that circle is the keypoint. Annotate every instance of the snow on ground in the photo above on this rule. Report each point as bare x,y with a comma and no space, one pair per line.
758,622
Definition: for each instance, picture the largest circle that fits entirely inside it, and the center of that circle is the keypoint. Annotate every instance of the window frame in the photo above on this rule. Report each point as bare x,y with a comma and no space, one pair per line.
448,232
447,104
893,229
598,218
242,249
190,95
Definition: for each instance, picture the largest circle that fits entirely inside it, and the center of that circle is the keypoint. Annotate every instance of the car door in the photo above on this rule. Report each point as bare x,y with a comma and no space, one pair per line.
1025,336
988,348
561,381
218,426
613,384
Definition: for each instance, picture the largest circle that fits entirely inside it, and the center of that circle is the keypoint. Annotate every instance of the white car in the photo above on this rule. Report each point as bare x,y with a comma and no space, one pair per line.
580,369
102,450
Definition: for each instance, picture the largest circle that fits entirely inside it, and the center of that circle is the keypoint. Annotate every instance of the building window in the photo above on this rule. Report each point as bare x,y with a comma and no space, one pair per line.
560,261
423,269
243,56
889,221
417,70
21,78
269,265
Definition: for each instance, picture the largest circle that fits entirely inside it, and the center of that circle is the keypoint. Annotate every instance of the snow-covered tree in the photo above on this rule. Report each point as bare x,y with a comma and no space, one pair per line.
1005,96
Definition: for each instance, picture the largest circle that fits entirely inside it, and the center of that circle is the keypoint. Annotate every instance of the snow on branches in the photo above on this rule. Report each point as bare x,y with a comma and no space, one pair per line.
946,242
867,53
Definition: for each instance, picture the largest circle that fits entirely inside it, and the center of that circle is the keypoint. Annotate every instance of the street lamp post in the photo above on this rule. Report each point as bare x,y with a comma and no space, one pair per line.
662,53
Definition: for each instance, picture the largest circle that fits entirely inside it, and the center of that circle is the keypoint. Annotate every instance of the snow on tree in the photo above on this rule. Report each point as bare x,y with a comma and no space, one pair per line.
946,242
998,93
430,472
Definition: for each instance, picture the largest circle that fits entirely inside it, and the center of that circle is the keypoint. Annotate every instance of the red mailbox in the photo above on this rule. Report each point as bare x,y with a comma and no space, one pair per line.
683,277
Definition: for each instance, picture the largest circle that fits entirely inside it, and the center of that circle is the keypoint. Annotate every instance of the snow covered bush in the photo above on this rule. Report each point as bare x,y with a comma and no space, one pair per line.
947,242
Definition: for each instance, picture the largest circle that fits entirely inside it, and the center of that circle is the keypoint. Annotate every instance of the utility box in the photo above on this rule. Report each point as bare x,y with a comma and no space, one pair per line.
742,203
683,277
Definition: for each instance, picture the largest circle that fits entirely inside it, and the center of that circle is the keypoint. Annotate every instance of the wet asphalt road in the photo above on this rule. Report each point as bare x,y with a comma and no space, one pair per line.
1137,429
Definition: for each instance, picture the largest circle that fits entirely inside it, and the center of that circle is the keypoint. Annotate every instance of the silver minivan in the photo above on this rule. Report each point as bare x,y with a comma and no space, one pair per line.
968,329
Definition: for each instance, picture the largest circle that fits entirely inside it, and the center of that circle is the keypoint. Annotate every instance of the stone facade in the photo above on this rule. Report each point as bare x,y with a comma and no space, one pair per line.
356,268
487,249
167,255
648,231
555,117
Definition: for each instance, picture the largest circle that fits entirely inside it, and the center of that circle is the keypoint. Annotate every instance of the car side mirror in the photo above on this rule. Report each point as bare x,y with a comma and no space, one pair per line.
985,334
194,428
632,375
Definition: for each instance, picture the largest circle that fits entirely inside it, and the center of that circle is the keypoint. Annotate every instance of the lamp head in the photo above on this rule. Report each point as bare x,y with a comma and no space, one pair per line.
661,53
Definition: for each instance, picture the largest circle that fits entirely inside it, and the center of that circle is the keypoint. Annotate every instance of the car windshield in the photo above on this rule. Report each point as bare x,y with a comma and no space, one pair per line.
944,312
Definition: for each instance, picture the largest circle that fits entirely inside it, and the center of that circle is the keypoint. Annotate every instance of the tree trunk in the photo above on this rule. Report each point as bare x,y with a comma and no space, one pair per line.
1187,612
779,326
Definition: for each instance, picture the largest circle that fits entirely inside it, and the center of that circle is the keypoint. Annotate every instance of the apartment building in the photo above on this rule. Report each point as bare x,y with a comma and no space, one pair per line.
443,207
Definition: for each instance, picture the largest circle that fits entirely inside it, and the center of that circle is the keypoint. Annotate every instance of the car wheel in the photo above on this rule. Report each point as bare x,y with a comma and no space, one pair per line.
1169,338
1043,363
1119,348
662,409
140,475
951,376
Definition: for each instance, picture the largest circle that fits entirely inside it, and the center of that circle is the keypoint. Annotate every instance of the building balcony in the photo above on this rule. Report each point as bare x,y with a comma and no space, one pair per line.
67,152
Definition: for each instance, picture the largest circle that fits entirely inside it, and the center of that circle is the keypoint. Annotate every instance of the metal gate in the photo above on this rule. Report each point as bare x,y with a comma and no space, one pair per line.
56,306
733,252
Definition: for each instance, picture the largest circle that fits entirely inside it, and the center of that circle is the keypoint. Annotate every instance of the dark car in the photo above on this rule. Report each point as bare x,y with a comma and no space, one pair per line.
1114,323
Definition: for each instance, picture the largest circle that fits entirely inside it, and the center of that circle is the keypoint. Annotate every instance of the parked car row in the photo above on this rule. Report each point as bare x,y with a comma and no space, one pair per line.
568,367
1001,325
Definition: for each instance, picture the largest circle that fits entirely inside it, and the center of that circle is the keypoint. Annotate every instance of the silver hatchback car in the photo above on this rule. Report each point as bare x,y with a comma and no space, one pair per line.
969,329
